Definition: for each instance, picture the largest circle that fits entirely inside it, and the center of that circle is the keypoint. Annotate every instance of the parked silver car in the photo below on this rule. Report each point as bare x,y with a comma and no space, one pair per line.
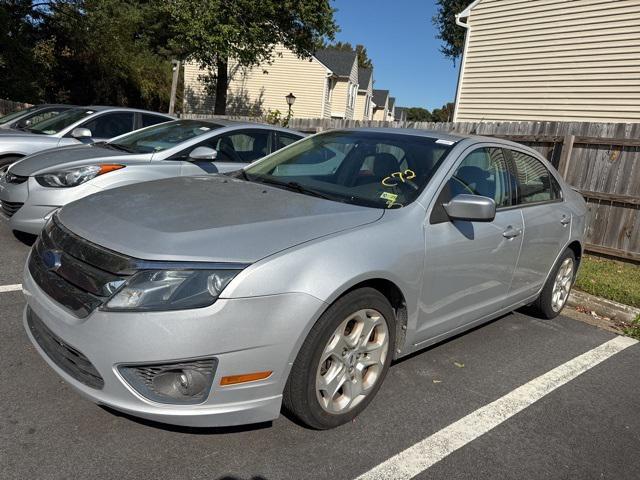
29,116
212,300
75,126
36,186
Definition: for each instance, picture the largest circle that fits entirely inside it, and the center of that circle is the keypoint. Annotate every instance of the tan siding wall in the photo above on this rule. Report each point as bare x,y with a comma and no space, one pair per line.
380,114
257,90
571,60
339,98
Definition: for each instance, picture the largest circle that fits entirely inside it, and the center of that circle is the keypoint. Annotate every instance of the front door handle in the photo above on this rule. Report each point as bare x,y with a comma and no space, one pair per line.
565,220
511,232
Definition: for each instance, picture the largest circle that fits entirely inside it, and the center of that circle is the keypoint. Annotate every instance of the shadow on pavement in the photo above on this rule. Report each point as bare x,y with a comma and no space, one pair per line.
190,430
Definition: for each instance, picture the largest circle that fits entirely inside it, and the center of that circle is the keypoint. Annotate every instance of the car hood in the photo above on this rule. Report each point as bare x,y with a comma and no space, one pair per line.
65,157
207,218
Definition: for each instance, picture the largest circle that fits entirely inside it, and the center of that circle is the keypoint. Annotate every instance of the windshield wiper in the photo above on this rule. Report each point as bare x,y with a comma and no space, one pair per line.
296,187
115,146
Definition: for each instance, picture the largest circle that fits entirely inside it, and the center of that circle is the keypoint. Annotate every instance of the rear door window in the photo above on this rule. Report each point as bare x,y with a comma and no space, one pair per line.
535,183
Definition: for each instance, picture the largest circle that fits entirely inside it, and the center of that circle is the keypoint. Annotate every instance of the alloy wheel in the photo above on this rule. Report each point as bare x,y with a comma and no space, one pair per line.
352,361
562,285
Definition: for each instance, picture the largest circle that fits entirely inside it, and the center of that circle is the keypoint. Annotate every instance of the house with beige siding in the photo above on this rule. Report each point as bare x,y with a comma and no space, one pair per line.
344,66
364,107
391,113
257,90
550,60
381,104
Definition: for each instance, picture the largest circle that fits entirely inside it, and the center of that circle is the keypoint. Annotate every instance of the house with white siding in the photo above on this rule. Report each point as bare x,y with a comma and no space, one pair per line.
325,86
550,60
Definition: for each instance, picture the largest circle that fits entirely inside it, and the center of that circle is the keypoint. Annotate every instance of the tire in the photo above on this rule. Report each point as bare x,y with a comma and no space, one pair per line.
8,160
360,371
547,305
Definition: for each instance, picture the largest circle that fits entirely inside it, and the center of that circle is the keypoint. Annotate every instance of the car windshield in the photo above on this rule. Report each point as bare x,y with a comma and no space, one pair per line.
163,136
19,113
53,125
375,169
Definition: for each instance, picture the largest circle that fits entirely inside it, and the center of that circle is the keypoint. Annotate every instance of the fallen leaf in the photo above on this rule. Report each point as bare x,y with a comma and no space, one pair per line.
437,381
458,364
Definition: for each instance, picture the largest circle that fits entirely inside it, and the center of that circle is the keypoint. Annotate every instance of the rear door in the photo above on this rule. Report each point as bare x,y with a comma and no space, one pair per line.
109,125
547,222
469,265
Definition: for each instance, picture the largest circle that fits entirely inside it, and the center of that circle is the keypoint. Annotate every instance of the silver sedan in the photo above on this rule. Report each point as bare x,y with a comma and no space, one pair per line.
76,126
36,186
295,282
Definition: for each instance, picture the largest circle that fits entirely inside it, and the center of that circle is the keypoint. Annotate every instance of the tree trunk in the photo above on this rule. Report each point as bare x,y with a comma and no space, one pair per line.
222,82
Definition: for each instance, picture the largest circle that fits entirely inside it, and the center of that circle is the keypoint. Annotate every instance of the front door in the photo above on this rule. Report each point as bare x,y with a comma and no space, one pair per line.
469,265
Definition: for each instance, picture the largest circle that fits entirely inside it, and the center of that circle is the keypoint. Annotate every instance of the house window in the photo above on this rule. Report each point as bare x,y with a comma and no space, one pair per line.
367,106
329,89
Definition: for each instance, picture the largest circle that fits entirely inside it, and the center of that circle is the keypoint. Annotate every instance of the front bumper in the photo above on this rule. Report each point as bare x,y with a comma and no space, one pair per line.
38,203
245,335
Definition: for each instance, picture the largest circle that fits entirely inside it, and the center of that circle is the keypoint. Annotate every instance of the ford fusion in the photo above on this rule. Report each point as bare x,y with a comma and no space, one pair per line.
295,282
33,188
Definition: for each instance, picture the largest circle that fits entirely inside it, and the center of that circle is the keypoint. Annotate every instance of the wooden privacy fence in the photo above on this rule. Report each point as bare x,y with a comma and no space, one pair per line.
8,106
600,160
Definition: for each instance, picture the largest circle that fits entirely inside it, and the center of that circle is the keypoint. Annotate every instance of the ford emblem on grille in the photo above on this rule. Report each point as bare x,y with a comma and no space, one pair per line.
52,259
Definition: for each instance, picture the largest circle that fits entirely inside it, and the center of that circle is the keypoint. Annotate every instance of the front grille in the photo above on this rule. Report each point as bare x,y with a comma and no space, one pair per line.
69,359
13,178
10,208
75,273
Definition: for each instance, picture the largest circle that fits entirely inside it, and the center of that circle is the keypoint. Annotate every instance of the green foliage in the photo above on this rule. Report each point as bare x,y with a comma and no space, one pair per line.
363,58
451,34
85,52
633,329
213,32
419,114
611,279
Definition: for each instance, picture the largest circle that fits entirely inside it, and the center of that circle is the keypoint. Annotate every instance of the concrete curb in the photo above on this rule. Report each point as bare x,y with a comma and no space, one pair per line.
603,307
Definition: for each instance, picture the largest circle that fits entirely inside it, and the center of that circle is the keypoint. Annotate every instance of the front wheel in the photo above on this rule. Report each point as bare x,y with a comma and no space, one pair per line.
556,290
343,361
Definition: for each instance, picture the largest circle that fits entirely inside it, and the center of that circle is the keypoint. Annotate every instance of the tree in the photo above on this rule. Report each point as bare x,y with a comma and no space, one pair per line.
363,58
444,114
418,114
451,34
215,32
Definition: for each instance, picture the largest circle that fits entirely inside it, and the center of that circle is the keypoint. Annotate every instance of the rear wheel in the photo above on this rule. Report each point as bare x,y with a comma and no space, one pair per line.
556,290
343,361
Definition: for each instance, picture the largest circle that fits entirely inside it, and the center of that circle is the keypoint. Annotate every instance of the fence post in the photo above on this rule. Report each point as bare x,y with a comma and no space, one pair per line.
565,155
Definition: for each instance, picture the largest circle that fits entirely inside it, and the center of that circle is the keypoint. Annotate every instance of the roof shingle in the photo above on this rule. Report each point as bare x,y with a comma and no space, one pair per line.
338,61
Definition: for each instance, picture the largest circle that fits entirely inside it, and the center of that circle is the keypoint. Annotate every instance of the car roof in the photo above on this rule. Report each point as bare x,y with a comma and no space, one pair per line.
102,108
451,136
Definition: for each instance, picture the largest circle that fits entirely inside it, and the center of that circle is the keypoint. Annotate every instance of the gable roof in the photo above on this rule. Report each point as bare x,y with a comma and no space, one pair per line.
380,97
338,61
364,77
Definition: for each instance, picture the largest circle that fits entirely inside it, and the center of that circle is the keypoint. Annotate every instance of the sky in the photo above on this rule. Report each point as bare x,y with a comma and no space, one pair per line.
401,41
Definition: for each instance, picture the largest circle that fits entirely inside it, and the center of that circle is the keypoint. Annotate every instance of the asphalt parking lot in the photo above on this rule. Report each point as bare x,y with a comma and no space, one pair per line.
516,398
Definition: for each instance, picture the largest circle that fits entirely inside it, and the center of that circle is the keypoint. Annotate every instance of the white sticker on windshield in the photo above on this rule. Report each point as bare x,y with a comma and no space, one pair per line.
445,142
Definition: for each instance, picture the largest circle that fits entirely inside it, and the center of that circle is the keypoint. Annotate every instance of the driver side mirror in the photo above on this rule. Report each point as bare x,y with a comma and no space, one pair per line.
474,208
81,133
203,153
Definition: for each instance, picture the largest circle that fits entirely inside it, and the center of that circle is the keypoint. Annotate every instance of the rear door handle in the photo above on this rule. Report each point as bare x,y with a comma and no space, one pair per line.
565,220
511,232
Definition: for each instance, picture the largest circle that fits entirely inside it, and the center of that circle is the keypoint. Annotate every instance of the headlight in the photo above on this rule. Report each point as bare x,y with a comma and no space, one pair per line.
72,177
171,289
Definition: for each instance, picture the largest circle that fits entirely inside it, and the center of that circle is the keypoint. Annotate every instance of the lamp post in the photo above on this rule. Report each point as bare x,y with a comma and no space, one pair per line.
291,99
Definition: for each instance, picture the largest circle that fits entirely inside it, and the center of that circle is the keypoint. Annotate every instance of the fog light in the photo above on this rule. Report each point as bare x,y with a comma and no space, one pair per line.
186,382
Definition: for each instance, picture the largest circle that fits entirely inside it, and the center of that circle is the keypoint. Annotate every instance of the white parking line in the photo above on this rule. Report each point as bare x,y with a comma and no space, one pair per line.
431,450
10,288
